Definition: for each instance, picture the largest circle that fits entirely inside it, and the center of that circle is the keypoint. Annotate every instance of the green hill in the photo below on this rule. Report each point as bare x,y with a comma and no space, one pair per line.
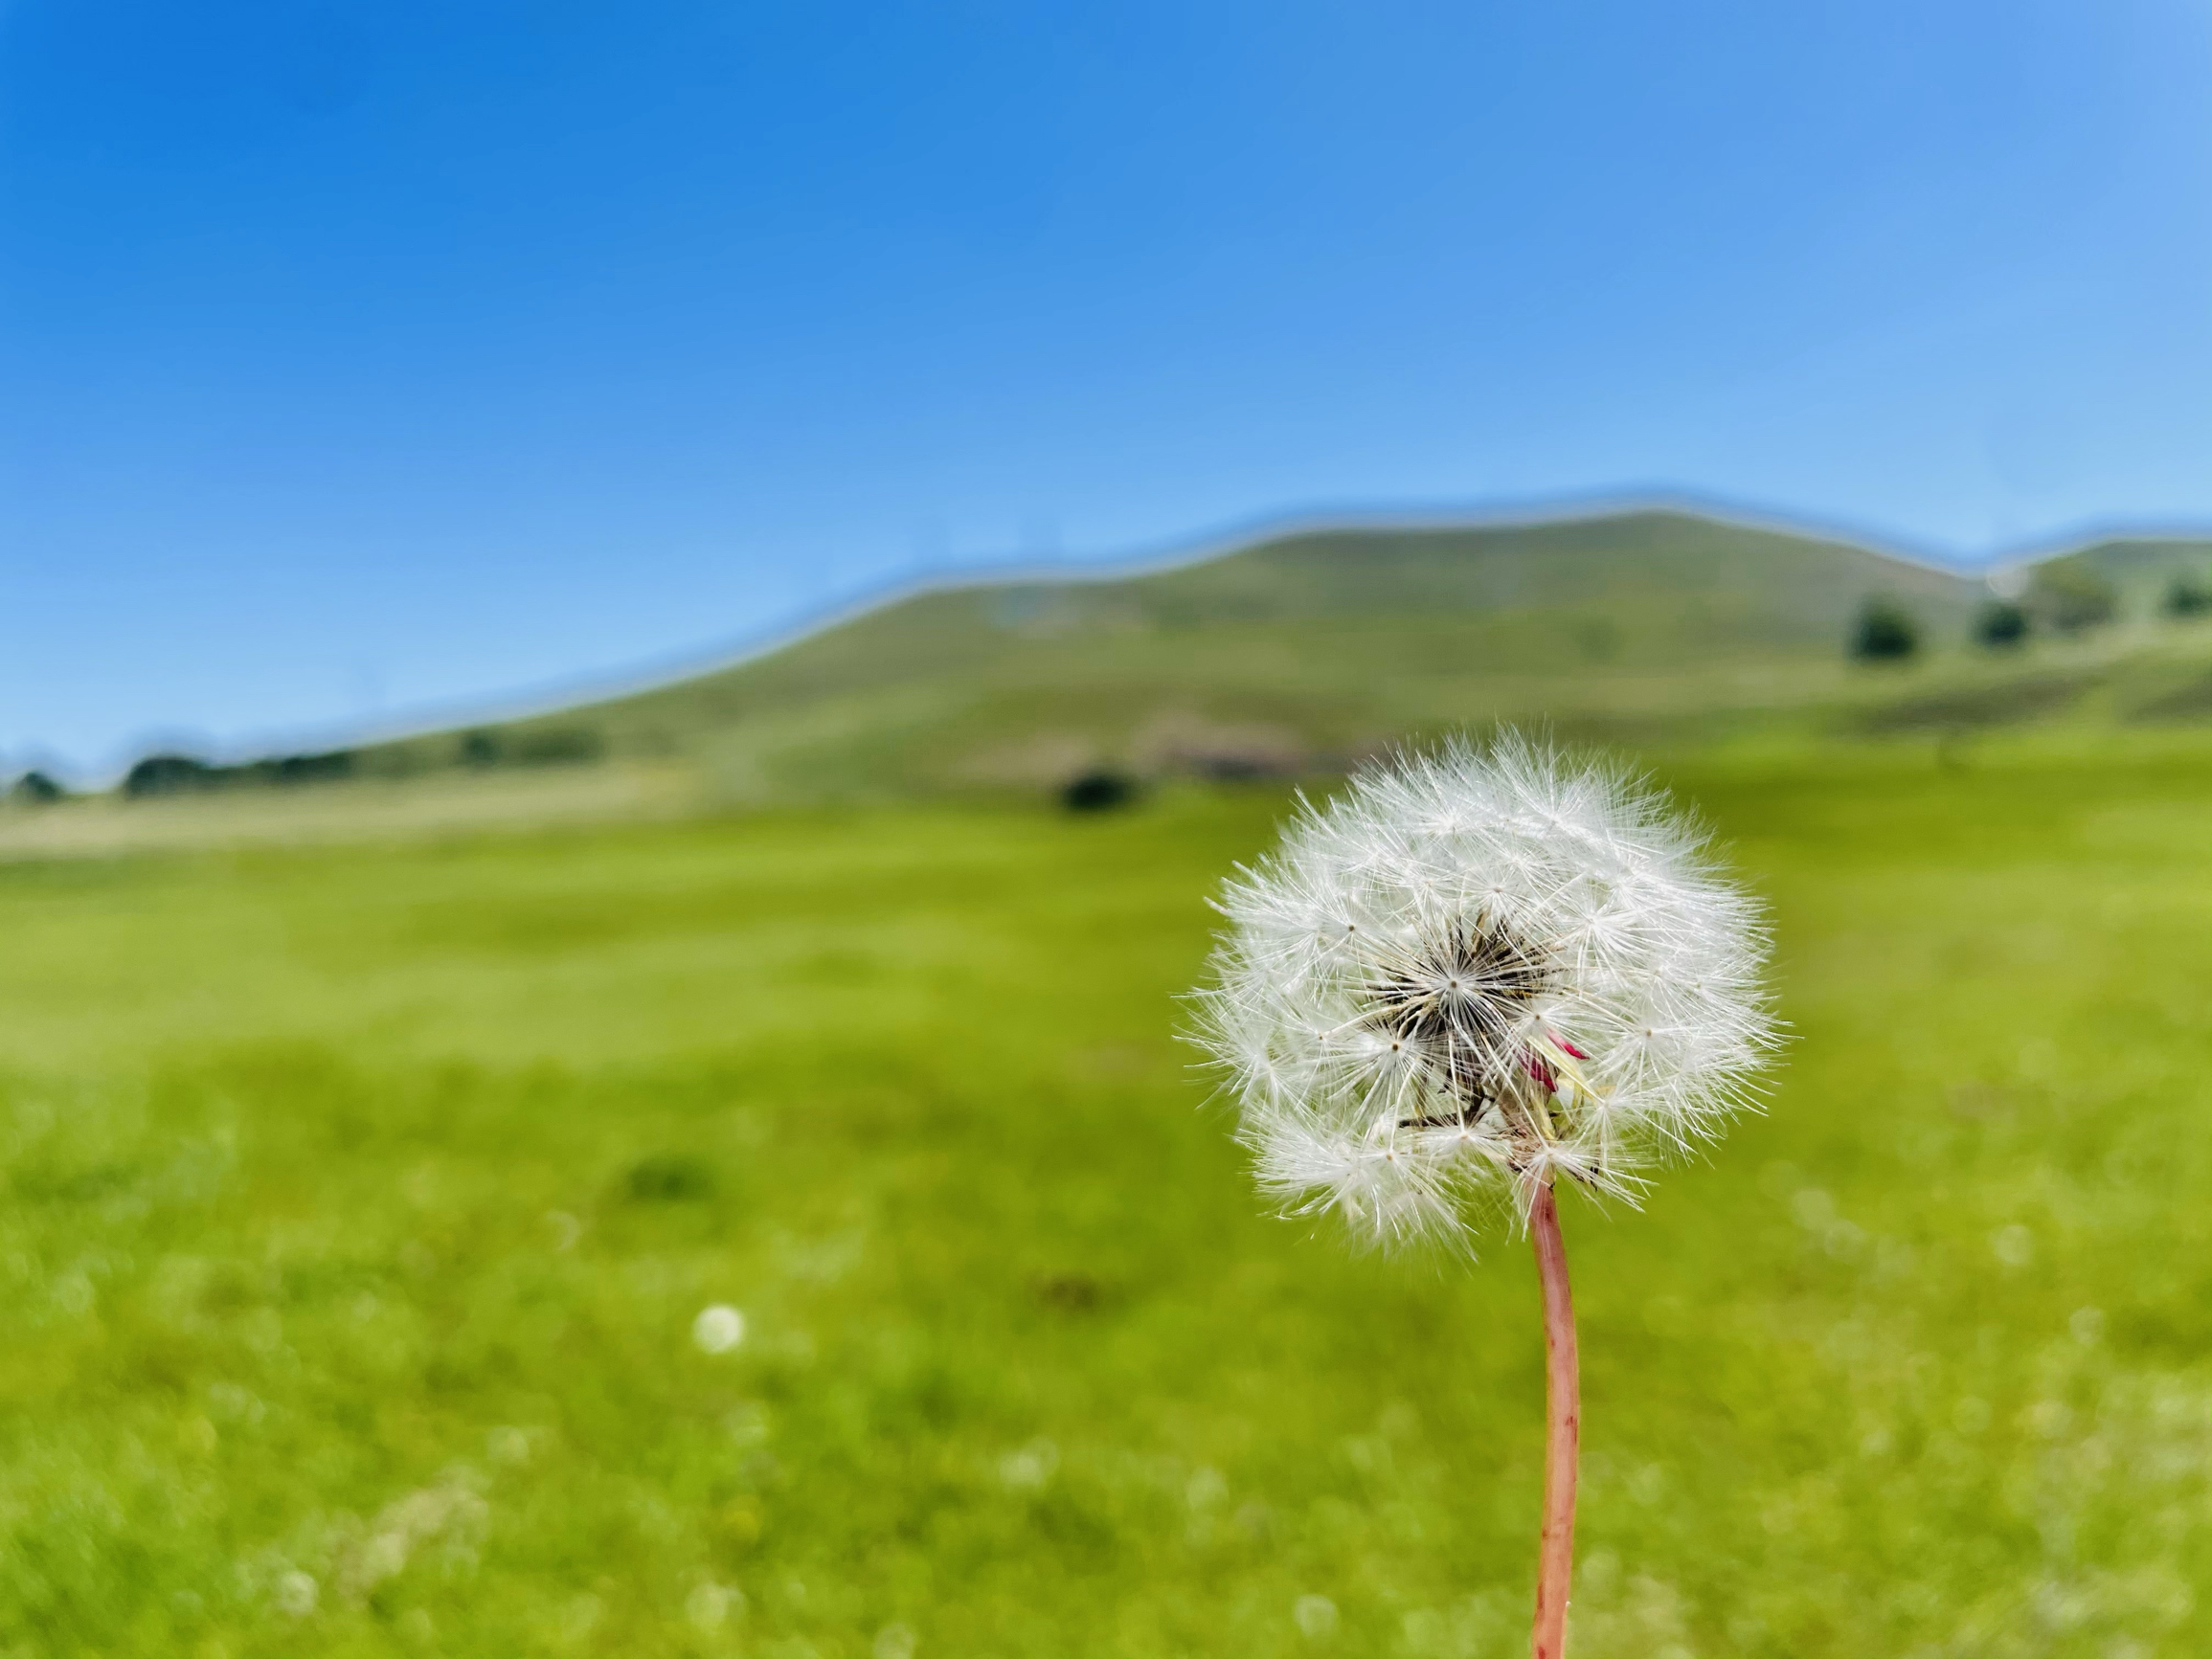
1293,656
1303,650
2143,570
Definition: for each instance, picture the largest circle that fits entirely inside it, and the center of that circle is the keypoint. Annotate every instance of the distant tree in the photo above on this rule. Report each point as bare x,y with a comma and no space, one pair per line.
1886,632
2072,596
2001,622
480,748
2186,597
37,788
168,774
1098,789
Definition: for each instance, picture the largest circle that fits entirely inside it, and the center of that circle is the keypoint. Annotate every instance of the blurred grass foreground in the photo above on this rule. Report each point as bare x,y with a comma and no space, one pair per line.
367,1203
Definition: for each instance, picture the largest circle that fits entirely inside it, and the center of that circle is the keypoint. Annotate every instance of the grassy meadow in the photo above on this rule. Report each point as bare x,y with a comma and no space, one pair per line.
360,1202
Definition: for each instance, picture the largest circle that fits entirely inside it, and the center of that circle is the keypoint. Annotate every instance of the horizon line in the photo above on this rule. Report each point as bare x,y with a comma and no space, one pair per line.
589,687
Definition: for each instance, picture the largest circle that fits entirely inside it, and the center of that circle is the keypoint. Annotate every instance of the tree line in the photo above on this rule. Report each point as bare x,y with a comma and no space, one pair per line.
2062,597
175,772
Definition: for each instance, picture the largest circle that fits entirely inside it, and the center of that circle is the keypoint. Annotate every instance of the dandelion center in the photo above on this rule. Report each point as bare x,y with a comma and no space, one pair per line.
1459,1005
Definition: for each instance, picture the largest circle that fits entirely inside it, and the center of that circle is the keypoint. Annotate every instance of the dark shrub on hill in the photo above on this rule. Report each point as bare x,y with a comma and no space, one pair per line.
2186,597
182,773
1098,789
1886,632
562,746
557,746
290,769
2001,622
2072,596
170,775
326,767
36,789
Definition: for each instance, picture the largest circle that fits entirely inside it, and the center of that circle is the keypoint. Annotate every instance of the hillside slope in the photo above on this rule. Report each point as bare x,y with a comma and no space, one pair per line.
1291,655
1305,649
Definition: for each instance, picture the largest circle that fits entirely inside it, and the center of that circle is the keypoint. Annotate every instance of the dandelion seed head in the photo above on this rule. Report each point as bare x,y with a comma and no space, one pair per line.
1481,971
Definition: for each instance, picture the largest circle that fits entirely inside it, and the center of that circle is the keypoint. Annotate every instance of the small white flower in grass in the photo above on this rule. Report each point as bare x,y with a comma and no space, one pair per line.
718,1329
1478,973
710,1604
1031,1467
297,1594
2014,1245
1316,1617
1474,973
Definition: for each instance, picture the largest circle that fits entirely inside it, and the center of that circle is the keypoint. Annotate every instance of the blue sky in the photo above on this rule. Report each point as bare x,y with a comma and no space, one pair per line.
358,361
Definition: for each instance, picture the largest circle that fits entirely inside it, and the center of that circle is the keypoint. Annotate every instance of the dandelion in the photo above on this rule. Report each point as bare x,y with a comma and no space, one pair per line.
1479,972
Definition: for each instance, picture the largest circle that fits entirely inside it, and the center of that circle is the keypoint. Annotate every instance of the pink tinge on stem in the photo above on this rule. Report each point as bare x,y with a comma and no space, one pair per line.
1563,1430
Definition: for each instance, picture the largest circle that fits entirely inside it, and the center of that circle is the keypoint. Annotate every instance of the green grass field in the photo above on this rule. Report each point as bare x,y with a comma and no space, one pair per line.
360,1202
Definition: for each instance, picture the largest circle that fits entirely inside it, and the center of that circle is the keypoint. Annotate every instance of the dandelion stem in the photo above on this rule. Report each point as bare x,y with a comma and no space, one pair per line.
1562,1430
